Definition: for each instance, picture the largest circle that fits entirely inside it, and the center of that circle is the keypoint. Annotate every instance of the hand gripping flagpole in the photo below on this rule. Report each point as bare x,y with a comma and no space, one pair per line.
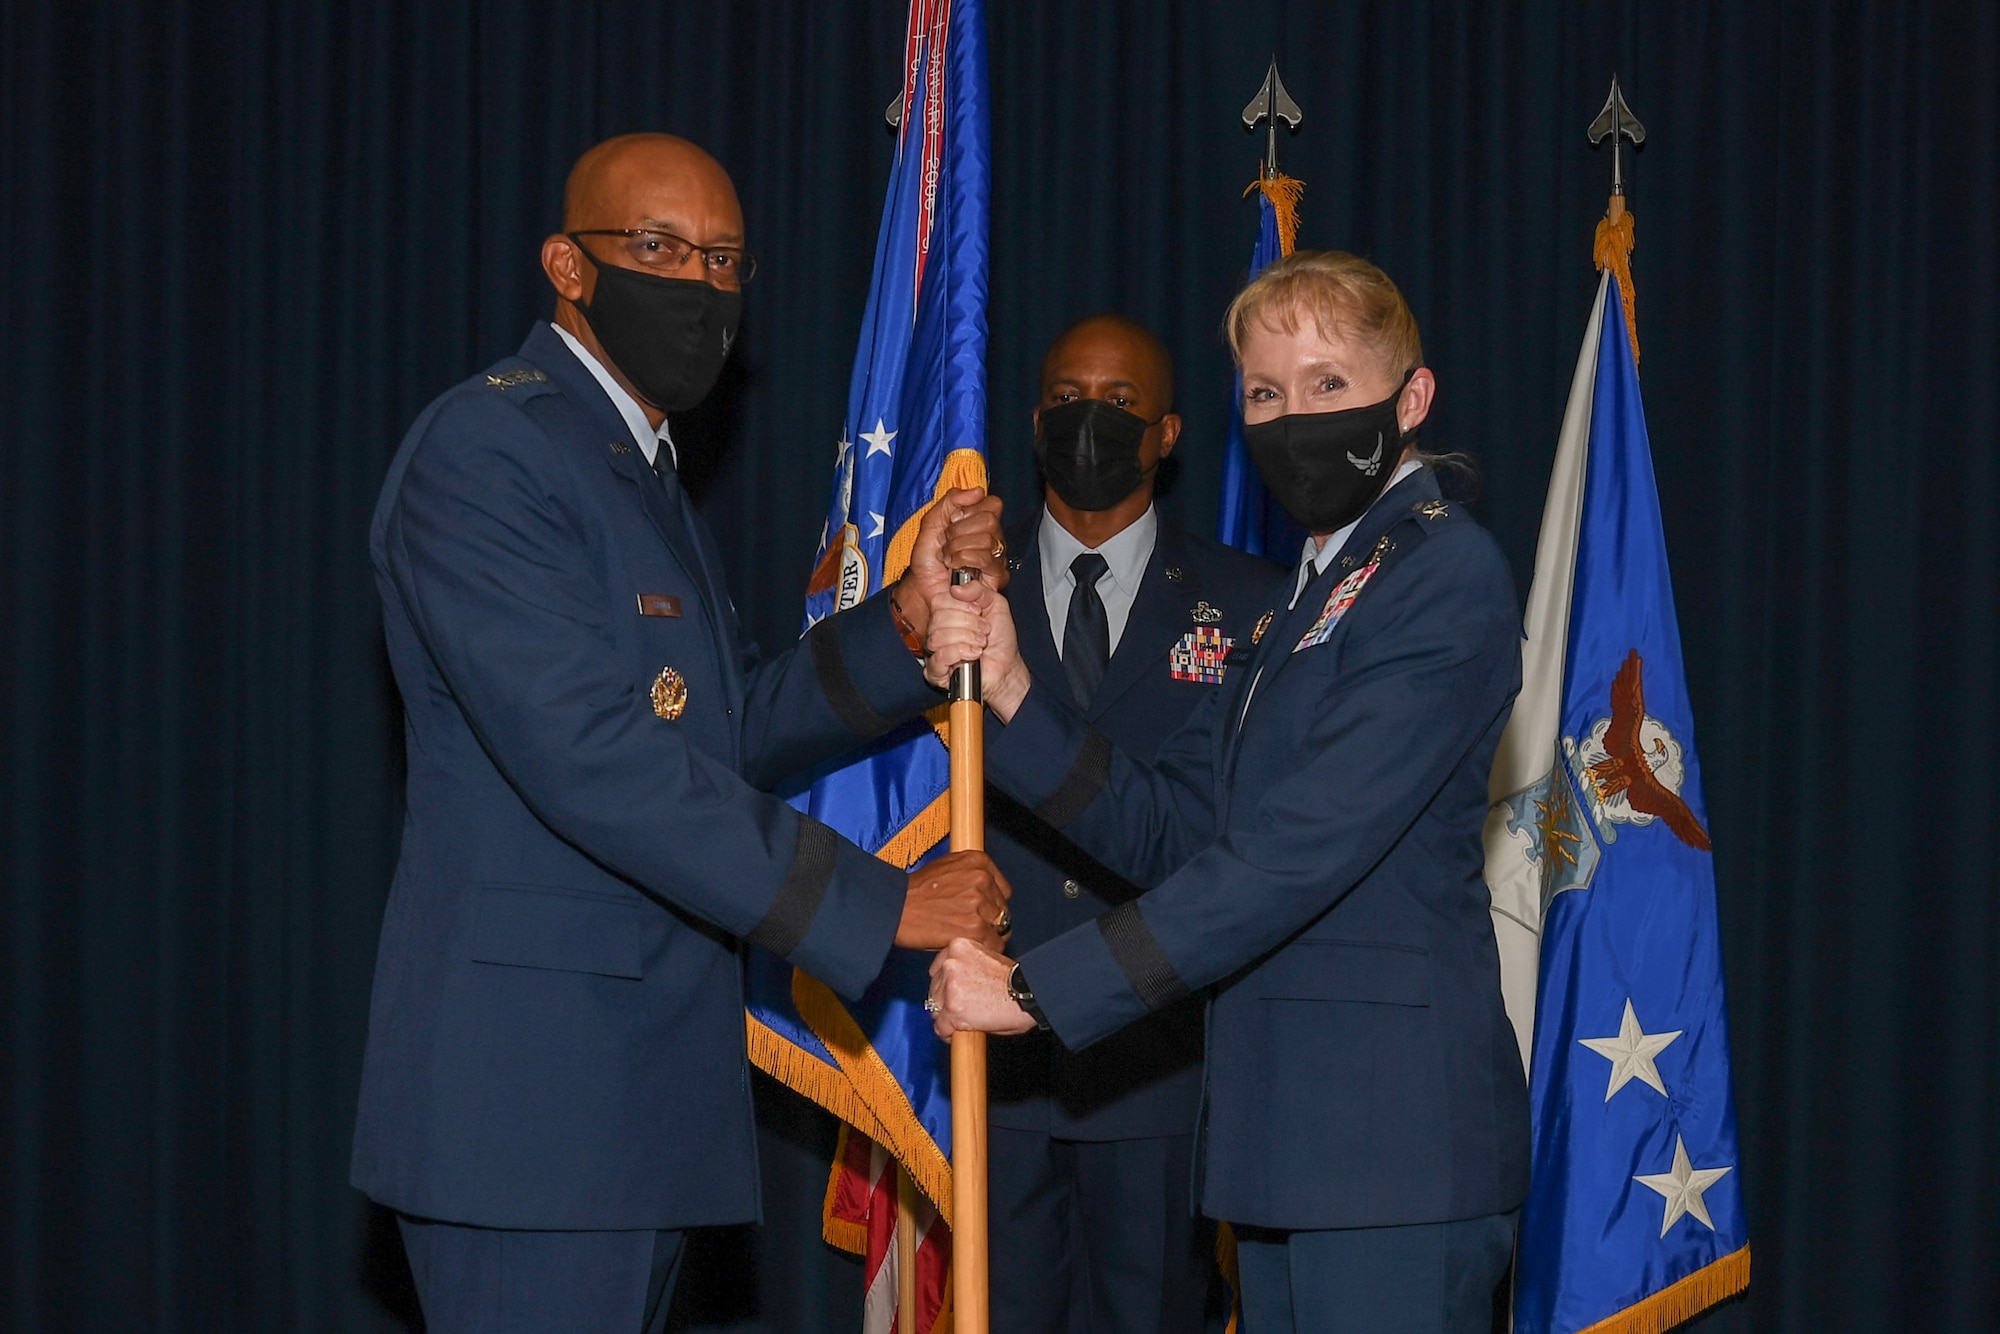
969,1288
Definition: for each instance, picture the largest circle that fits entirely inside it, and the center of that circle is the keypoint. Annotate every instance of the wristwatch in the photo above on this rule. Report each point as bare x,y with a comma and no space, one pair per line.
1017,990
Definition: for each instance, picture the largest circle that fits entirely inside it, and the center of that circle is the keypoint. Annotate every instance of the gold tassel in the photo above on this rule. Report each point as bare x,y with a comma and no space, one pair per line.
1284,192
845,1233
1616,236
1680,1302
1225,1260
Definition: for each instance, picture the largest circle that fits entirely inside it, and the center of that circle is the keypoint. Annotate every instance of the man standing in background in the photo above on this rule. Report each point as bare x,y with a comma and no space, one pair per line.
1093,1219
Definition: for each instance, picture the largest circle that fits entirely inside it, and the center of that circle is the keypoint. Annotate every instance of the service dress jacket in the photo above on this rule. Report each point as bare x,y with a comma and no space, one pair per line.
556,1037
1316,856
1197,600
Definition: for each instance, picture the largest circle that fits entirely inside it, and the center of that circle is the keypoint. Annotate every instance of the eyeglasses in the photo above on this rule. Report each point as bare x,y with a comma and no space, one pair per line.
725,266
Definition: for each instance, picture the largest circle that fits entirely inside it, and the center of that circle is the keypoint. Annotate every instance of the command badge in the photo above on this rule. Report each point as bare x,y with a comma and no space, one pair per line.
1263,624
1199,656
670,694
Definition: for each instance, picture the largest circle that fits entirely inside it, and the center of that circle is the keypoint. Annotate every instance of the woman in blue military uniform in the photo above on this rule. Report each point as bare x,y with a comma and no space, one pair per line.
1312,841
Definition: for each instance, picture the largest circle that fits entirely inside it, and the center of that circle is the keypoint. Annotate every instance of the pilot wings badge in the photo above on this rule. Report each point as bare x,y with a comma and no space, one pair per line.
1632,766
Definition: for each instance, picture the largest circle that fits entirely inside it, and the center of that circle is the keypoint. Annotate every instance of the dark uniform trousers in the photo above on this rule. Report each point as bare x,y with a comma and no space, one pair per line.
504,1281
1094,1229
1422,1278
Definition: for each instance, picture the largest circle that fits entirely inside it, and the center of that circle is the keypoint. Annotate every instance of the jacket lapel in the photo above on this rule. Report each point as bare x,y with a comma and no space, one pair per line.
1031,615
1159,617
1276,652
620,452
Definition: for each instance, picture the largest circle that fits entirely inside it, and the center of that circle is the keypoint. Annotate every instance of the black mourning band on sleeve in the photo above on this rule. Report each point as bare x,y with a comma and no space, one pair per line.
1139,956
791,913
849,704
1080,786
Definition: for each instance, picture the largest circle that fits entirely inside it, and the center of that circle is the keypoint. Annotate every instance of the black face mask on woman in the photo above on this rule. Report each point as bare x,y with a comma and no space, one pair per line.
1089,452
669,336
1326,468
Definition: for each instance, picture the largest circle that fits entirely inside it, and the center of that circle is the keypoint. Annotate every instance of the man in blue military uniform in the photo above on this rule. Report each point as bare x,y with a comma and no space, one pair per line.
555,1083
1093,1226
1311,841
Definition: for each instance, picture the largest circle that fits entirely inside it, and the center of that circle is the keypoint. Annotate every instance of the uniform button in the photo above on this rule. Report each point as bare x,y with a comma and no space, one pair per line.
1071,889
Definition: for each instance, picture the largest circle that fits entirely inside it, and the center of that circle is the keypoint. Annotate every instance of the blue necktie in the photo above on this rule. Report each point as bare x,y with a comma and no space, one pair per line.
1087,632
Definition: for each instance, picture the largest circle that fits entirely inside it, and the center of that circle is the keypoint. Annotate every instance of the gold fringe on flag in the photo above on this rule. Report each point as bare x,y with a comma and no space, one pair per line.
1284,192
1615,238
888,1118
1680,1302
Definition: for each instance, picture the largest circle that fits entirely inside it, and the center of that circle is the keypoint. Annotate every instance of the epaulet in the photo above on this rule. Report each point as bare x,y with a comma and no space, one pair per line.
1433,515
514,379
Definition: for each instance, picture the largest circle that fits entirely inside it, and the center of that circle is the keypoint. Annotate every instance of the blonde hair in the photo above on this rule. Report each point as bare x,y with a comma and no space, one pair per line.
1346,296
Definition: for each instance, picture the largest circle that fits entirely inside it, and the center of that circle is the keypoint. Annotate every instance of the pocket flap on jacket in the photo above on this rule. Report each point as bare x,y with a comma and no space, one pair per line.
532,927
1345,971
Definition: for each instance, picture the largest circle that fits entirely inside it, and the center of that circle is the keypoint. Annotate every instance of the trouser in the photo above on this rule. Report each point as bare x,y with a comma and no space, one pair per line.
1096,1237
478,1280
1425,1278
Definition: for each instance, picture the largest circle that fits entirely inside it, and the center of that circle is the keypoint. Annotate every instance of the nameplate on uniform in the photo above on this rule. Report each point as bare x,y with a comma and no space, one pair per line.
659,604
1200,656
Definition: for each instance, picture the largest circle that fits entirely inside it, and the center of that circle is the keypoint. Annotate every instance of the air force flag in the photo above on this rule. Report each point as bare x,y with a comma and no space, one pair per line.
1598,841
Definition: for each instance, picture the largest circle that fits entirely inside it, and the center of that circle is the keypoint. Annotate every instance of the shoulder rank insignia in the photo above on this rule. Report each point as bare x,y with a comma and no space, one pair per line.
1200,656
508,379
670,694
1432,509
1343,596
1263,624
1203,614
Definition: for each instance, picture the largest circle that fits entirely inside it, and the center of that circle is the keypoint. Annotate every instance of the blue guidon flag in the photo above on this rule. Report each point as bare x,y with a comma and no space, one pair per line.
1247,518
1598,842
915,427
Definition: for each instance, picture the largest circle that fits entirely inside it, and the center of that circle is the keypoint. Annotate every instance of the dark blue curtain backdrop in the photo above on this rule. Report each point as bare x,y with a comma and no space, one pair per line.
242,243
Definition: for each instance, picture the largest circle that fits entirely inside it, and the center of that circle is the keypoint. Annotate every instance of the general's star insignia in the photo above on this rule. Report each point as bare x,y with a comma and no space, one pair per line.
1631,1053
1433,509
508,379
1683,1186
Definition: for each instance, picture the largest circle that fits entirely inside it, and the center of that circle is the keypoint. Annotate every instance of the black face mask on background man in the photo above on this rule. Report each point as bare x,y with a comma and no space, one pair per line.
1089,452
1326,468
669,336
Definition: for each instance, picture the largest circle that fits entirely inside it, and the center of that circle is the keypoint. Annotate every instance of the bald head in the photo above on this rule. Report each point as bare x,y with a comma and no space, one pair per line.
639,180
1110,352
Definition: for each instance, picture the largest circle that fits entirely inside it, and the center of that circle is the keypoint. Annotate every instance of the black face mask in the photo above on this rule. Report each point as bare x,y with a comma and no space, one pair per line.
1089,452
1326,468
669,336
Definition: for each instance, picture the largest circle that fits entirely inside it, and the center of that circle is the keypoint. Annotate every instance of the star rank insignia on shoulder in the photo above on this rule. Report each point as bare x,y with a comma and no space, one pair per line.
522,375
1431,509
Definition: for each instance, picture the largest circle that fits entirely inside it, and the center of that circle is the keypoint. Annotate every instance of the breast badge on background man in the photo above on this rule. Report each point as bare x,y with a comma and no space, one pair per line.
1135,619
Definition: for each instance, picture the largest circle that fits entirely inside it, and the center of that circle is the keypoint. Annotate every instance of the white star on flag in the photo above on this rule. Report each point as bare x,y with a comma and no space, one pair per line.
876,531
878,440
1631,1053
1683,1186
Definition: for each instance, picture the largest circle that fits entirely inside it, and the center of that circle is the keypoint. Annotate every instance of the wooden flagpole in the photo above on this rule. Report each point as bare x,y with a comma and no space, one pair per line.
906,1251
969,1273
